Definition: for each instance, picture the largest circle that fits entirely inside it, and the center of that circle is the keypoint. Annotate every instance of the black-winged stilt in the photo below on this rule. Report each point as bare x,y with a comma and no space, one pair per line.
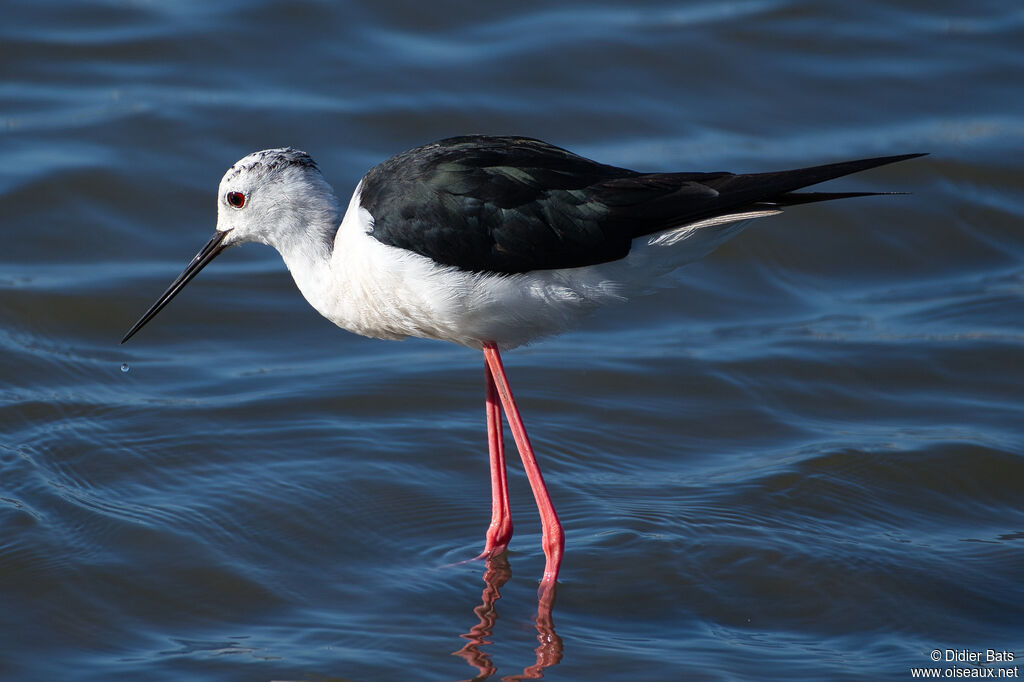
489,242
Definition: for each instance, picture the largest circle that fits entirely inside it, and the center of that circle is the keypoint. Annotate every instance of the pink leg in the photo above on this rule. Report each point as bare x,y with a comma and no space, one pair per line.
553,538
499,533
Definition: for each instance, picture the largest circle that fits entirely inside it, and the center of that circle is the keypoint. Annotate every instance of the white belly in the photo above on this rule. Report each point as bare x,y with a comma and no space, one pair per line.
386,292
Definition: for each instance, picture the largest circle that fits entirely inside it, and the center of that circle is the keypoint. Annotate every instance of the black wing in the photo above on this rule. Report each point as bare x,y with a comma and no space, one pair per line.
514,204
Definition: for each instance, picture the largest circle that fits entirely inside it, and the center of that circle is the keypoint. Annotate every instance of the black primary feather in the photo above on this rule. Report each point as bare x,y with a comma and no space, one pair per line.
515,204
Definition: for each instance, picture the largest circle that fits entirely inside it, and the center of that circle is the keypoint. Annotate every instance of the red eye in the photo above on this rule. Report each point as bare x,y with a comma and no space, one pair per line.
236,199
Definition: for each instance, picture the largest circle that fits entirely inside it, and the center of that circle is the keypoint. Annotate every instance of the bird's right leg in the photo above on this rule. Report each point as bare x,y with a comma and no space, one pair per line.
552,535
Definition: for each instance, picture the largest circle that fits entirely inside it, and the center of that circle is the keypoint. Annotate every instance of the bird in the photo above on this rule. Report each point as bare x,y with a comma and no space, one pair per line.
489,242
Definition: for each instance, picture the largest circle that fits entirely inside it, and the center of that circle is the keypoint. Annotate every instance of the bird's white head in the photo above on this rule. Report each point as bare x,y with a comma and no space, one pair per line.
276,197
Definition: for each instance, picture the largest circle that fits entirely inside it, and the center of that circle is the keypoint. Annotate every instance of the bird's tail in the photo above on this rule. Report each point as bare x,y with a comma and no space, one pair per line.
779,187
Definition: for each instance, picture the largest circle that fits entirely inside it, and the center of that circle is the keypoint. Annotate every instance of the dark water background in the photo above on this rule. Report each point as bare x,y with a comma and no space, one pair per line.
804,461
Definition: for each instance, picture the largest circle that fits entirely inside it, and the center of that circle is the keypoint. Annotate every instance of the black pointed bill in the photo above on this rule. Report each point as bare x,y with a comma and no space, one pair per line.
209,252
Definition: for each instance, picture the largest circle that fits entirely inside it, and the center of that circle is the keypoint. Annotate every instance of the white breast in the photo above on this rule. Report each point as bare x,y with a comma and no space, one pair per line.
386,292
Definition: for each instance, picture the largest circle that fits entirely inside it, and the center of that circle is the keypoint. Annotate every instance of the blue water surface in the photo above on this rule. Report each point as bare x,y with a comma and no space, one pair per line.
801,458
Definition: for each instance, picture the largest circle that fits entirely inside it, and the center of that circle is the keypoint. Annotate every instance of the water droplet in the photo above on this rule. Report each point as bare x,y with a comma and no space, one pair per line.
125,367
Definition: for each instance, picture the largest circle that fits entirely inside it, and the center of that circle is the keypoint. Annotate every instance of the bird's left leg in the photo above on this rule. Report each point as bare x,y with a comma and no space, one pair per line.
499,533
552,536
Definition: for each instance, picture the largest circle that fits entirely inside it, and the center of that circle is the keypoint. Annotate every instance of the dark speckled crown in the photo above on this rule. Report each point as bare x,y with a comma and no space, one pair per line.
270,160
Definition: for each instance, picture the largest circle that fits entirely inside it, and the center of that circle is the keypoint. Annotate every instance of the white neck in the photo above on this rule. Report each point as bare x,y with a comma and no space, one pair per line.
305,243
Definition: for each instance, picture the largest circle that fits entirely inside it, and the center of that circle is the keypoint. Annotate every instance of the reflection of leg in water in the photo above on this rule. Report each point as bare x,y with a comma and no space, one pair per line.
549,652
496,575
